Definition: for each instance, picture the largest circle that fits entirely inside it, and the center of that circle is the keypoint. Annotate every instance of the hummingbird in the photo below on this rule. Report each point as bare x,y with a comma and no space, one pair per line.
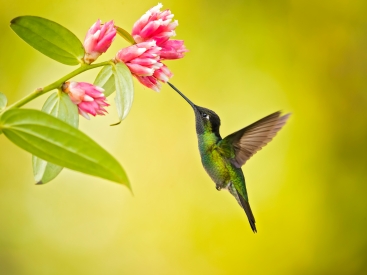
223,158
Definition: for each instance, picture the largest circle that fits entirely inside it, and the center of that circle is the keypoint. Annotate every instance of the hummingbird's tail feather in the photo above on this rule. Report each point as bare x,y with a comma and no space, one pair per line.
245,205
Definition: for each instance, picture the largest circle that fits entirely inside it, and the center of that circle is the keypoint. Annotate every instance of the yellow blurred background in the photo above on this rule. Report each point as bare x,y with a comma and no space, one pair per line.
247,59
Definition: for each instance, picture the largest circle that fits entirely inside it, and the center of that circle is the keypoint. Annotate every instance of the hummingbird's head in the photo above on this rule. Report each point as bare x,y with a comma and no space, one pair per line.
206,120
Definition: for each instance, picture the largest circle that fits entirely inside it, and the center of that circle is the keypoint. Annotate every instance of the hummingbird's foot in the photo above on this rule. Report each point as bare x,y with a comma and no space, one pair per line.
218,187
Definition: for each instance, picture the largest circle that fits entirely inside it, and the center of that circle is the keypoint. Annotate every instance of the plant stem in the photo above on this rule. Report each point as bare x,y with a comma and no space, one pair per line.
55,85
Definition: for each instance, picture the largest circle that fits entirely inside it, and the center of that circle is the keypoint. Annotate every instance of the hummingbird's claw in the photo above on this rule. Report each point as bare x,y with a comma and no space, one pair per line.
218,187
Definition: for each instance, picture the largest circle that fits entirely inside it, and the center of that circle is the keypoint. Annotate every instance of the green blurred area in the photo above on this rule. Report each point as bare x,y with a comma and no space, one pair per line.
247,59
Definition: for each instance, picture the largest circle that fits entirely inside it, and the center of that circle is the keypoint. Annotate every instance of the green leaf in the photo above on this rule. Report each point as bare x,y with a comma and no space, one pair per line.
3,101
43,171
106,80
60,106
124,34
49,38
124,90
57,142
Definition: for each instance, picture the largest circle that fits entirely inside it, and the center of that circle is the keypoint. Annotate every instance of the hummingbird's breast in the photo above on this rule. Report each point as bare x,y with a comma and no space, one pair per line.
219,168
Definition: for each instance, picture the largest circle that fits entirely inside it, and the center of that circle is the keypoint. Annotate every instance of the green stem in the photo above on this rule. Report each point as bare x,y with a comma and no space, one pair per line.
55,85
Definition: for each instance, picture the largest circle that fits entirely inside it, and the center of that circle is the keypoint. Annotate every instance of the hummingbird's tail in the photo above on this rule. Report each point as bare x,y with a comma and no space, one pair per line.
245,205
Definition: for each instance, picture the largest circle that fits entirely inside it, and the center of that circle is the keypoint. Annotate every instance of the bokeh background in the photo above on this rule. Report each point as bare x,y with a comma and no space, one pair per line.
307,188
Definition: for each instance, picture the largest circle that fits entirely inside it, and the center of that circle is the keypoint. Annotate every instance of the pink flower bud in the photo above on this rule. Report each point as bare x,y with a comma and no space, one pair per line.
98,40
89,98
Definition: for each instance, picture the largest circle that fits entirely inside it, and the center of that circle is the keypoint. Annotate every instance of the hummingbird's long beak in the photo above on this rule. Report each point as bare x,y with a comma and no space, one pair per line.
188,100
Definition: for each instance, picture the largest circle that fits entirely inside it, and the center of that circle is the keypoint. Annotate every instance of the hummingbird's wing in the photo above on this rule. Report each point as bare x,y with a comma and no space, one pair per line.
247,141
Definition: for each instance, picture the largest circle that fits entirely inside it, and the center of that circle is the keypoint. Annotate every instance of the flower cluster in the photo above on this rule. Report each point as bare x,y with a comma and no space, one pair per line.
152,33
89,98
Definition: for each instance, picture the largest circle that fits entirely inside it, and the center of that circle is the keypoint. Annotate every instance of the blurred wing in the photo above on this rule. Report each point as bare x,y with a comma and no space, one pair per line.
247,141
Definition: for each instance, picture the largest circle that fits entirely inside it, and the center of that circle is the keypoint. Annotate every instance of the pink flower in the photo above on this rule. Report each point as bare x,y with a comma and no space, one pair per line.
98,40
158,26
89,98
154,24
142,58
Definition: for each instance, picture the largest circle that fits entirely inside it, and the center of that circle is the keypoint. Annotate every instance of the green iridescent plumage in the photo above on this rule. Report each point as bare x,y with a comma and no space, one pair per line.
223,158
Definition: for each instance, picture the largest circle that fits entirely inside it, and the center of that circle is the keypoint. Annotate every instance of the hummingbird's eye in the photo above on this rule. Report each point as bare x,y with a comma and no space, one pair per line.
204,115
